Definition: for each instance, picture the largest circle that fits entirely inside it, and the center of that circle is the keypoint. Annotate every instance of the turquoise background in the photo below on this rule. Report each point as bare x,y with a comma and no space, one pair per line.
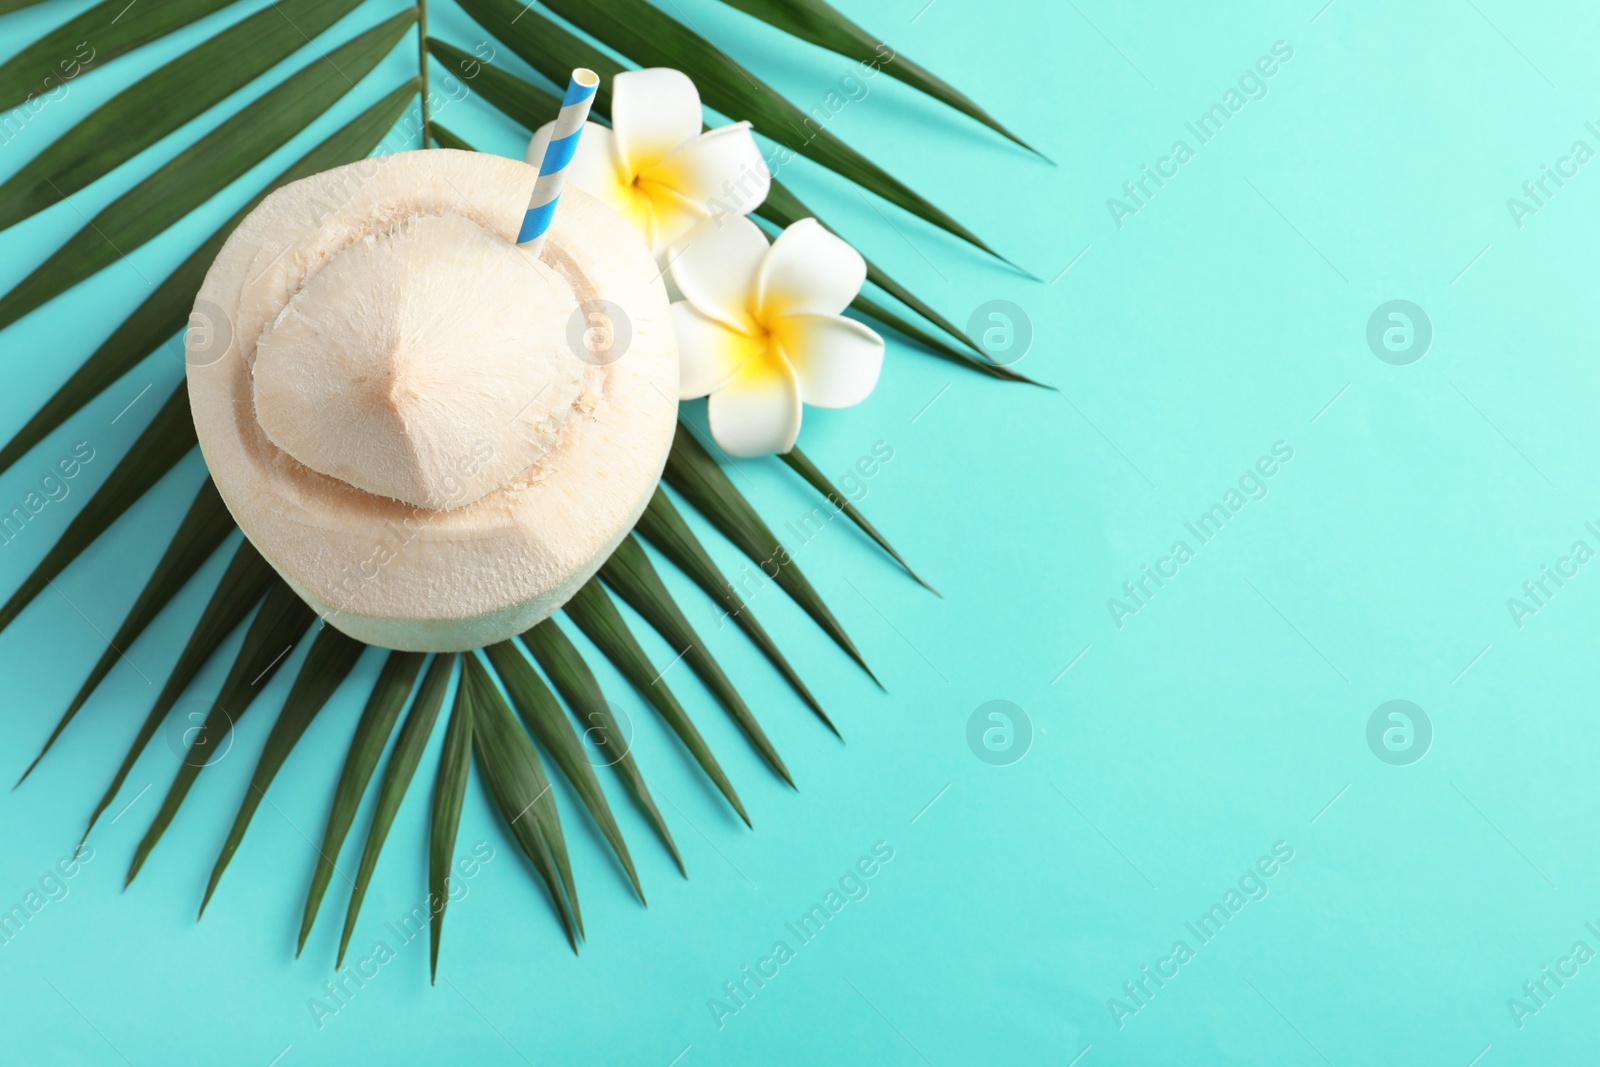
1229,714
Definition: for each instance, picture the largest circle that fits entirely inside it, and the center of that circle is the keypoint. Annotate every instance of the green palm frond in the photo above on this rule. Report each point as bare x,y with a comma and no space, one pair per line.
166,310
388,698
552,51
629,574
330,659
663,527
32,69
508,709
166,440
540,713
819,23
702,481
519,788
519,100
563,664
783,209
802,465
651,38
449,791
194,175
8,6
201,533
281,621
593,612
241,587
164,100
397,776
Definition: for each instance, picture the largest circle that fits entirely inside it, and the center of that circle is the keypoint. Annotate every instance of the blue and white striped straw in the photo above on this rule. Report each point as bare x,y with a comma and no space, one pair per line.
557,155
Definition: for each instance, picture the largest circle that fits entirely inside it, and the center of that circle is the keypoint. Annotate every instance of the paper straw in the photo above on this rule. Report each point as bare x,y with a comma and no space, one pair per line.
557,155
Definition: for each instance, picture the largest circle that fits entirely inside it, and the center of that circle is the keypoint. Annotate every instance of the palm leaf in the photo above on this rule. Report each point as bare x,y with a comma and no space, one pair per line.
204,169
865,305
165,441
389,695
243,584
542,716
516,97
553,51
148,108
203,529
445,139
821,24
564,665
449,789
277,628
396,780
631,576
783,209
545,46
164,100
594,613
801,465
28,72
692,472
329,660
517,783
650,38
166,310
663,527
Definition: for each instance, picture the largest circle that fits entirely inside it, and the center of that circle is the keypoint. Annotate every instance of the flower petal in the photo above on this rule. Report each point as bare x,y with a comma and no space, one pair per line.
809,271
721,170
673,217
653,111
595,167
715,268
758,413
709,354
837,360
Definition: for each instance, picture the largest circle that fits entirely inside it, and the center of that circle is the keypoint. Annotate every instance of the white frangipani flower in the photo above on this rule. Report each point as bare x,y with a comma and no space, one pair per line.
656,167
760,330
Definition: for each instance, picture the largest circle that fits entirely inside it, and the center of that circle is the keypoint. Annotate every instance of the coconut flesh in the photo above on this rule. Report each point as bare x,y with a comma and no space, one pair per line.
434,436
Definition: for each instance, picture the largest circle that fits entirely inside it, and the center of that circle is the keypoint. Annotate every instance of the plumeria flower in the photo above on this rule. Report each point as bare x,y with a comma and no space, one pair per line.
760,330
656,167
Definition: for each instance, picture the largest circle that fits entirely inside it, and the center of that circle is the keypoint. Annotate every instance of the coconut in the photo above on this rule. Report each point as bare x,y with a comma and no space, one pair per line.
433,435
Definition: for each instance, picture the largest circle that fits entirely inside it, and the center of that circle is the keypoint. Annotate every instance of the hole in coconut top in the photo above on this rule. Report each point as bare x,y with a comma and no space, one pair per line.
427,363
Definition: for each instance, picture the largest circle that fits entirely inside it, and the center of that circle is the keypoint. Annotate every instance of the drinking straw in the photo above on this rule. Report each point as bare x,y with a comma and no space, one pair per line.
557,155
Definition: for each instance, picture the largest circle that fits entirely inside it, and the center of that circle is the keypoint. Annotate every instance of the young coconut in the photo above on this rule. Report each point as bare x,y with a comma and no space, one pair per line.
419,424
